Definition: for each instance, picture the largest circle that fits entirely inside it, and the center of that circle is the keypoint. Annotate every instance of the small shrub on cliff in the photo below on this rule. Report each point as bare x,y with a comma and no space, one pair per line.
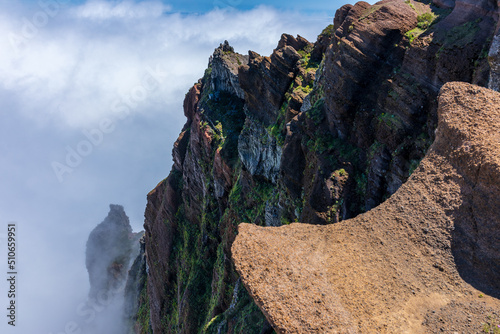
413,165
277,130
143,314
408,2
425,20
414,33
316,113
390,120
340,172
328,31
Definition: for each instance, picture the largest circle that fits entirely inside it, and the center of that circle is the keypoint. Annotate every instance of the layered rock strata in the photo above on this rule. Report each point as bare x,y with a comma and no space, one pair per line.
425,261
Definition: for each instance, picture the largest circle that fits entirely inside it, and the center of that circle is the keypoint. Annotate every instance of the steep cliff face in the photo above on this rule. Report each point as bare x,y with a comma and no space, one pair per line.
379,83
191,283
425,261
135,309
315,133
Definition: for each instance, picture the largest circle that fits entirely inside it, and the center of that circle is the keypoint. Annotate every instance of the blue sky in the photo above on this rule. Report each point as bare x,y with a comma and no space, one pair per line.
68,70
200,6
300,5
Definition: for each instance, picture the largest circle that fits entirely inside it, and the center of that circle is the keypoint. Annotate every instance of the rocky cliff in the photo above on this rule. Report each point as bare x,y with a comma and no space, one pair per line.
135,294
109,251
316,132
425,261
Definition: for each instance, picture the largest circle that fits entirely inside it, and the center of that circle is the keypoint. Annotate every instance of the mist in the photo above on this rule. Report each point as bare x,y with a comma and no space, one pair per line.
91,103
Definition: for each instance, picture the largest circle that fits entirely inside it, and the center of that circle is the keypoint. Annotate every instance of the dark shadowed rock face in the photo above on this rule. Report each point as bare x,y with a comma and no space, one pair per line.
265,80
494,62
259,152
109,248
135,319
447,4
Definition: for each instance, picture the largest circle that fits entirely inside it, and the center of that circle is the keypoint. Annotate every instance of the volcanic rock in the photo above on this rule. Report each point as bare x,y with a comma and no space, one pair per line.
425,261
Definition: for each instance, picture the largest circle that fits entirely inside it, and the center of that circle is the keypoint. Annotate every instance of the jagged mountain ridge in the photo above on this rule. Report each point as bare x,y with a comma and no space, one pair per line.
321,133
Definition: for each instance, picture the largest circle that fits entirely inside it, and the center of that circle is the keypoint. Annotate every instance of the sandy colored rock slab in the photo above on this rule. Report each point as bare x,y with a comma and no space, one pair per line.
425,261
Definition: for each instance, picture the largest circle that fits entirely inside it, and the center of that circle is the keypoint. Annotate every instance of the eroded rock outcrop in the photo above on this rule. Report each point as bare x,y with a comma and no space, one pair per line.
111,247
109,250
382,73
265,80
224,70
425,261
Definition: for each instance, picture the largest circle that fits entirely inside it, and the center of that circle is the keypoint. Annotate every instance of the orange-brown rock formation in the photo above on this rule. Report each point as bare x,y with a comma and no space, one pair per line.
427,260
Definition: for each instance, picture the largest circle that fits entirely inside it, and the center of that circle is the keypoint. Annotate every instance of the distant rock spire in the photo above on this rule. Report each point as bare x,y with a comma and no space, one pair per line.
108,253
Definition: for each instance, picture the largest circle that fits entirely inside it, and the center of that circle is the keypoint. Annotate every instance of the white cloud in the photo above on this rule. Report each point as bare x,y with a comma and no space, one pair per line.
101,10
86,57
